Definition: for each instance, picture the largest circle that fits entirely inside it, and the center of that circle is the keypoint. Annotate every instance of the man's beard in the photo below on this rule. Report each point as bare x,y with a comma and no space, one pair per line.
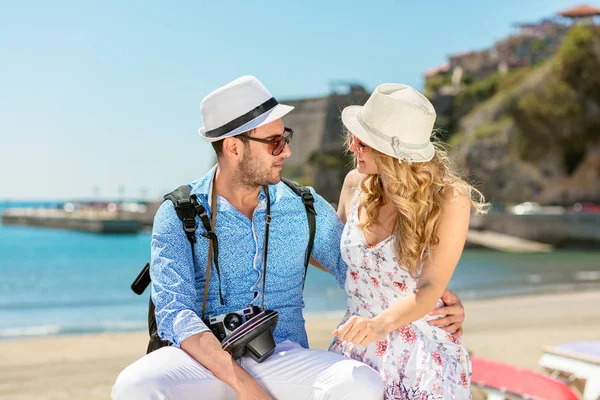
251,173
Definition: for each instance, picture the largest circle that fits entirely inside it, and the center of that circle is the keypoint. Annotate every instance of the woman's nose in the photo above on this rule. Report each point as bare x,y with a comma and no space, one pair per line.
353,146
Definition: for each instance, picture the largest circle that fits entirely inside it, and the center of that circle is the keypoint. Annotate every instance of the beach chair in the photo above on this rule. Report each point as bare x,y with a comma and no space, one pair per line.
577,360
502,381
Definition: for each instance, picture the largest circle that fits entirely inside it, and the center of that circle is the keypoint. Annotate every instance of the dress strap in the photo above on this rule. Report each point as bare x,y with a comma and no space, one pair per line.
355,196
353,212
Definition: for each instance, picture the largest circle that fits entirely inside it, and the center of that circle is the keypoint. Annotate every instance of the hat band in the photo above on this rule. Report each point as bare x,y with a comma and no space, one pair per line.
243,119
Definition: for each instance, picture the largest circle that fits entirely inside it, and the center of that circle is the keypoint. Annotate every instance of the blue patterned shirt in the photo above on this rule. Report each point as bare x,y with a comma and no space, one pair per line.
178,281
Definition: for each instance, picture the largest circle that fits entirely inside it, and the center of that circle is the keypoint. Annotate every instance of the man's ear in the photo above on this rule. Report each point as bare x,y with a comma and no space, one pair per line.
232,147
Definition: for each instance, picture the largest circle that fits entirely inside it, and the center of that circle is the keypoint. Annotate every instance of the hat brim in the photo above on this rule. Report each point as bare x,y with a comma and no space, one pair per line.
277,112
350,119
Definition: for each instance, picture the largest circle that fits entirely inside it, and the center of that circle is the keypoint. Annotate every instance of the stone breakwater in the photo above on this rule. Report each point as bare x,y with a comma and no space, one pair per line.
88,221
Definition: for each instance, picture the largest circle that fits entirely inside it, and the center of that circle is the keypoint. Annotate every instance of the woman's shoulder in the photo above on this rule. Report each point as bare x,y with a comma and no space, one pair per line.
454,191
352,181
455,198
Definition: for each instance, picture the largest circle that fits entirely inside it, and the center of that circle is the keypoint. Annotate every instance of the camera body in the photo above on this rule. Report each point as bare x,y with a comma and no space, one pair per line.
224,324
247,332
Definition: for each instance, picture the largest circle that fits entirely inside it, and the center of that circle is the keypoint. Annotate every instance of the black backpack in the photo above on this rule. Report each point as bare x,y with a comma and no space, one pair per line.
187,211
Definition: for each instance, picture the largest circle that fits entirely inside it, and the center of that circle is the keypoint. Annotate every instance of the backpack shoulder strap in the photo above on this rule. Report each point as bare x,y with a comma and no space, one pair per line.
184,207
187,207
308,200
182,201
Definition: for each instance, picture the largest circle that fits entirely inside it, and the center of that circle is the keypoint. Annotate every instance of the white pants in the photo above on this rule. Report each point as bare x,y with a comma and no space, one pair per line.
291,373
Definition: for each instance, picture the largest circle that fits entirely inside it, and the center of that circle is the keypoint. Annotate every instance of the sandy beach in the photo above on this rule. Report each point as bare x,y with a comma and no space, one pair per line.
512,330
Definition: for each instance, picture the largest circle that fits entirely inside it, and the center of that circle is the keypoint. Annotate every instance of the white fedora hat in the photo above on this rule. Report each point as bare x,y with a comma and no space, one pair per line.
397,120
238,107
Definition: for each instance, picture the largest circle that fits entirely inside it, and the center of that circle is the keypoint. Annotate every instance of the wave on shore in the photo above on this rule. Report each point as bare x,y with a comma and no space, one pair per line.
60,330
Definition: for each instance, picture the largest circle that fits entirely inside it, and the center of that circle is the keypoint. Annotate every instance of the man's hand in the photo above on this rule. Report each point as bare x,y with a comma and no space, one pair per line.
360,330
206,349
454,314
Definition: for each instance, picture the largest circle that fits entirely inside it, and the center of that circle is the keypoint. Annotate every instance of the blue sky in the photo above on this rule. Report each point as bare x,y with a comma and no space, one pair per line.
97,96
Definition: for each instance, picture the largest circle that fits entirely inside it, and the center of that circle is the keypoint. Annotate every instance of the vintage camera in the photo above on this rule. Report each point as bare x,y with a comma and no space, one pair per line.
247,332
222,325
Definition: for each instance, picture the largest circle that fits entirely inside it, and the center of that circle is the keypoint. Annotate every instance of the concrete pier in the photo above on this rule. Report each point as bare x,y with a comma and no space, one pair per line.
502,242
88,221
558,230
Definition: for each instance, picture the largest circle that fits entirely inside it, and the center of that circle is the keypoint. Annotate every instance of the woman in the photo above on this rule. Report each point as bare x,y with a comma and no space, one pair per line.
407,218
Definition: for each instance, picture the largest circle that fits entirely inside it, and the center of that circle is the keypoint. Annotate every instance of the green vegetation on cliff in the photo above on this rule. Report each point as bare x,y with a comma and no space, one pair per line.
535,127
563,113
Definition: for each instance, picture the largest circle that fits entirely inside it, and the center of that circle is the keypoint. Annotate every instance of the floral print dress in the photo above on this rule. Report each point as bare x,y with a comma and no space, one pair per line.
417,361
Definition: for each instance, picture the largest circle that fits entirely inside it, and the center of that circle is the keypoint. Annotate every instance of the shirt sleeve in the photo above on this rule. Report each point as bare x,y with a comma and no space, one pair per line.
328,236
174,291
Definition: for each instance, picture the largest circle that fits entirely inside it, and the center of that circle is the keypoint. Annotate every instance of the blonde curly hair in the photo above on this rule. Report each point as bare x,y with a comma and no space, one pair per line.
417,191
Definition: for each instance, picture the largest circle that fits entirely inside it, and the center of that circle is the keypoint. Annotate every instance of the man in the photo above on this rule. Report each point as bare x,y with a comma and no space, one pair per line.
243,122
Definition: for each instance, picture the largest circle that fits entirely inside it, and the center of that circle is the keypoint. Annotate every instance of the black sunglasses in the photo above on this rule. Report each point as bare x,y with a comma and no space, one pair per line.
279,144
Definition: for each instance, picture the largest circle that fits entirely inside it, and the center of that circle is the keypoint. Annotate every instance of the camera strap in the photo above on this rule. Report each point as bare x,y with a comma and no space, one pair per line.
213,245
266,246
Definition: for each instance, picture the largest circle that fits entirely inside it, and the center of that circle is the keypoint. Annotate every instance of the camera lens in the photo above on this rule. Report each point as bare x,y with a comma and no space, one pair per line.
232,321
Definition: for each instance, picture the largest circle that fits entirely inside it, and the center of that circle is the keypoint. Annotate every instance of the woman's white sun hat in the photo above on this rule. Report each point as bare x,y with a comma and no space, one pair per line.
241,105
397,120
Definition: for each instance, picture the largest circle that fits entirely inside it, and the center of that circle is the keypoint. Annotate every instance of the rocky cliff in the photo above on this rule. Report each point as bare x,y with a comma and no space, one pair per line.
537,137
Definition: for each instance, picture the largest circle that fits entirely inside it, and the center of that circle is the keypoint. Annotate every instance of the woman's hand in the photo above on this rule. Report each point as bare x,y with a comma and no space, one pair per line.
360,330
